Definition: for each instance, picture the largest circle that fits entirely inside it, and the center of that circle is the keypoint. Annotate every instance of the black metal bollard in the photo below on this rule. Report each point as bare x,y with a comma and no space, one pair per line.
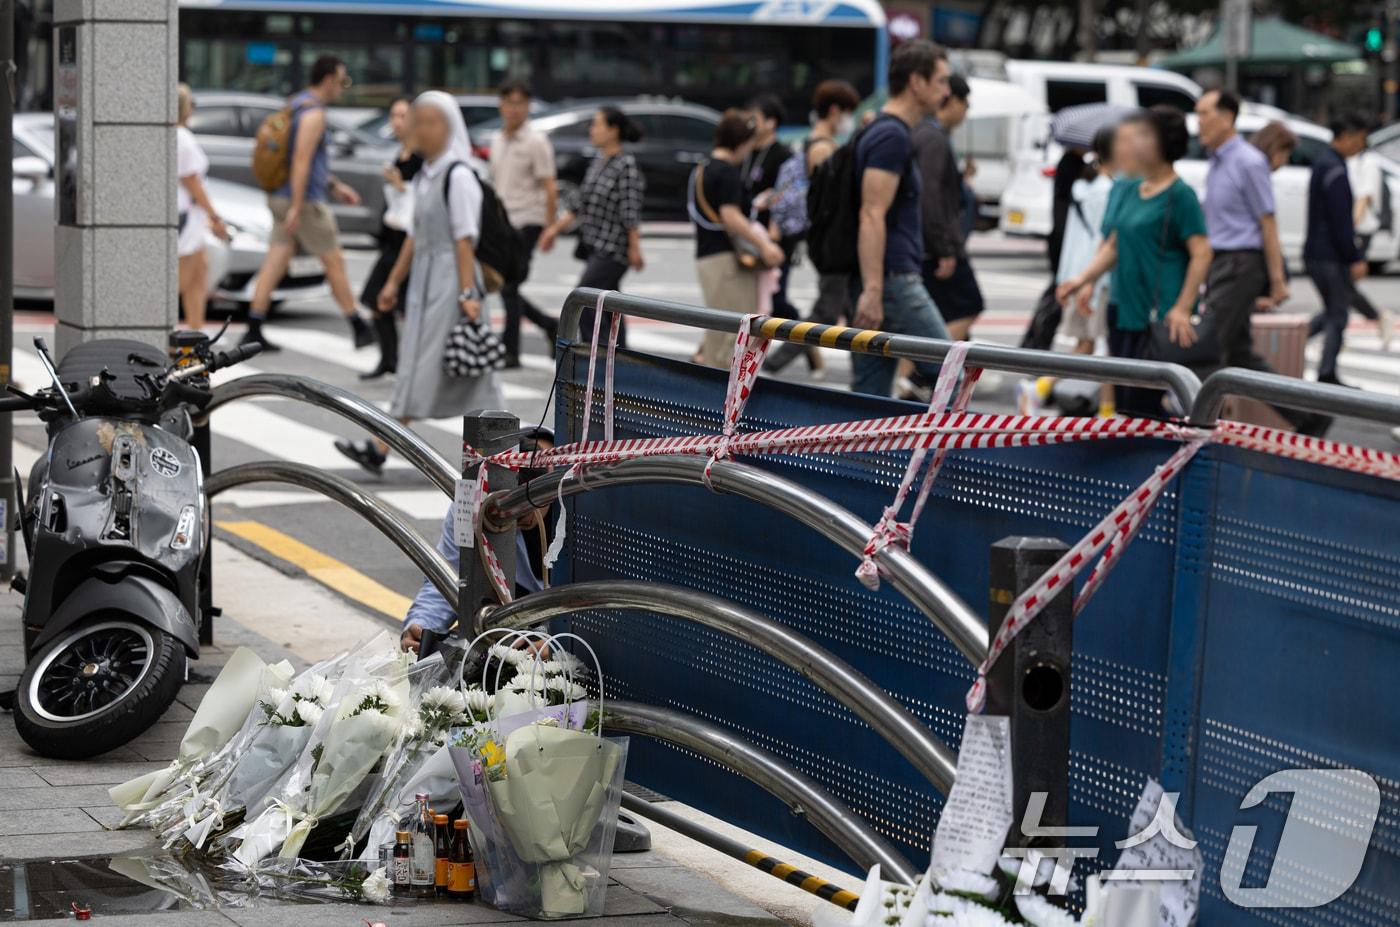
1030,683
489,433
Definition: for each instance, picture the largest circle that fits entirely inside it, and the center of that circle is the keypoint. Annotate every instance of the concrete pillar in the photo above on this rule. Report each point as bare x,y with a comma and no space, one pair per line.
115,111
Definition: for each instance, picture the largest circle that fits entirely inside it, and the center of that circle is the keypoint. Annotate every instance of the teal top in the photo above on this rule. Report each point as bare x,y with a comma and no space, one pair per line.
1152,255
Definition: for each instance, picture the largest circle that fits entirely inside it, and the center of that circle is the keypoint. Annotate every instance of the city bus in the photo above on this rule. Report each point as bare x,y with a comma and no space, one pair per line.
714,52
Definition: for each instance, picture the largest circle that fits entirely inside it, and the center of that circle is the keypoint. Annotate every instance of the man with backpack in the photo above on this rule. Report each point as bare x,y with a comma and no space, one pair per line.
890,246
291,161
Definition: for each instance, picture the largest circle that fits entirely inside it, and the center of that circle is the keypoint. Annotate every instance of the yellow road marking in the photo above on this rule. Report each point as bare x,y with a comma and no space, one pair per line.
326,570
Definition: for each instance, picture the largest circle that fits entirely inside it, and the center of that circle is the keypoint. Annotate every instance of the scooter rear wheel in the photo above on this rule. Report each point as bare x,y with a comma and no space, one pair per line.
97,687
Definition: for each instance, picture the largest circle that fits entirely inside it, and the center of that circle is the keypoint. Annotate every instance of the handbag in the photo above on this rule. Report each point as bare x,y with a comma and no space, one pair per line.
472,349
748,254
398,211
1204,352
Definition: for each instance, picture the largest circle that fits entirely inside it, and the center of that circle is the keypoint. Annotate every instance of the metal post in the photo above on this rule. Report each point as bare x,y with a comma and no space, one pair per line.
1391,55
7,282
1030,683
485,432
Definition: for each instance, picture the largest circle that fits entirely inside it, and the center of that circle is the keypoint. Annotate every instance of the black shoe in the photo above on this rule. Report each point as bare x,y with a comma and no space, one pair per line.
363,453
376,373
512,362
1312,424
1332,379
364,335
256,333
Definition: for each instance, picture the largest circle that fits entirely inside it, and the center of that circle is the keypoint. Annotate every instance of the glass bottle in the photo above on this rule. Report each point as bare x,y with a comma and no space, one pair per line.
442,852
402,873
423,860
461,867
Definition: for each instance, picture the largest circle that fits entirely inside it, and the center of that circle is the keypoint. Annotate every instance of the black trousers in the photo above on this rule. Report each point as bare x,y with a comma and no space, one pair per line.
1132,400
604,272
1235,280
1334,284
517,305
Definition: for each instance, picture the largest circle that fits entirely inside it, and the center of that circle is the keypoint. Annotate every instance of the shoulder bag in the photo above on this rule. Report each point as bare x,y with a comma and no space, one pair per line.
703,213
1205,351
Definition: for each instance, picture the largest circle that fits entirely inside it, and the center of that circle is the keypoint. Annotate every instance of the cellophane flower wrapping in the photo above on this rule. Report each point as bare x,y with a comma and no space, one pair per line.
336,880
369,705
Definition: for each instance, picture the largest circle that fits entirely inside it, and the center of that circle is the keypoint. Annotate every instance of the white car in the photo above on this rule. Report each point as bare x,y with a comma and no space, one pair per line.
1027,203
998,117
233,265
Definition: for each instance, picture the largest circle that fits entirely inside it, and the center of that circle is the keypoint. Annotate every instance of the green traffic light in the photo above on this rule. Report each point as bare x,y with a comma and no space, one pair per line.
1374,39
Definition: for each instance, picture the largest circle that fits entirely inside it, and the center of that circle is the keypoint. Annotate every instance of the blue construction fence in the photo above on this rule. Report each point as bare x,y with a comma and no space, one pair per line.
1253,626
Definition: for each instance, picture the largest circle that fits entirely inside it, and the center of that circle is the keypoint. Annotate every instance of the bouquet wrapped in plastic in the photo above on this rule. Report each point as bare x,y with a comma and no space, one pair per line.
543,798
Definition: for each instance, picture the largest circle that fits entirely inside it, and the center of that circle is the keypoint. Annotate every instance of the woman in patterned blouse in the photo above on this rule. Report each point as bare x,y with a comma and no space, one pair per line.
608,207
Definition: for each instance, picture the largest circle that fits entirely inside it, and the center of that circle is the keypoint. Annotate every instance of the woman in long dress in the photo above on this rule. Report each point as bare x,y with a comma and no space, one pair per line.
439,260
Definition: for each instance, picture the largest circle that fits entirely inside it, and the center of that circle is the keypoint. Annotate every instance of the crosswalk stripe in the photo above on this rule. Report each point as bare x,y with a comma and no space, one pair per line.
259,427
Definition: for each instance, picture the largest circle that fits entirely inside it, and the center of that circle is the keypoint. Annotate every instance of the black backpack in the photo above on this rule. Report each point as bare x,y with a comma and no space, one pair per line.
833,212
498,246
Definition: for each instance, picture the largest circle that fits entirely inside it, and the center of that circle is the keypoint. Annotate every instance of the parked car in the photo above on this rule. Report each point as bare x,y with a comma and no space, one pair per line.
1058,84
232,265
676,136
1027,202
226,122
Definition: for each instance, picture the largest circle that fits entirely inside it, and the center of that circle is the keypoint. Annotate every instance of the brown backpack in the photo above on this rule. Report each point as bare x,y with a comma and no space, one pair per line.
272,149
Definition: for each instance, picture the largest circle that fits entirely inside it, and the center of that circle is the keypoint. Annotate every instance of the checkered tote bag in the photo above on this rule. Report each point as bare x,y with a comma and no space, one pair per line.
472,349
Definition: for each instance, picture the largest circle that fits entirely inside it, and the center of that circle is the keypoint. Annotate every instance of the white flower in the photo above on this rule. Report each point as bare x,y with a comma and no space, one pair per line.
309,712
1040,912
973,915
967,882
527,682
547,722
386,694
276,696
551,668
568,691
445,698
375,888
308,687
413,729
507,655
477,701
569,662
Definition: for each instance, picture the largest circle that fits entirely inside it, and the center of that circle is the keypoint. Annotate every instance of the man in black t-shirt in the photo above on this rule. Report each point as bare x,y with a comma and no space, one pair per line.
892,296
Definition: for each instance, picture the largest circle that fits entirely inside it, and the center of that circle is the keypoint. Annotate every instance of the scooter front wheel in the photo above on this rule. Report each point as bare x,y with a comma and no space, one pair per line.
97,687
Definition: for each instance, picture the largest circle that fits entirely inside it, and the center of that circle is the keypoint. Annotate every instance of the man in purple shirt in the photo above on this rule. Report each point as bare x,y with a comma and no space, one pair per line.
1239,204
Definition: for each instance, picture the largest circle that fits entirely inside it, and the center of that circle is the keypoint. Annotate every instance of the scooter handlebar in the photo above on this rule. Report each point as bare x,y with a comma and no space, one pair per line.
235,356
16,404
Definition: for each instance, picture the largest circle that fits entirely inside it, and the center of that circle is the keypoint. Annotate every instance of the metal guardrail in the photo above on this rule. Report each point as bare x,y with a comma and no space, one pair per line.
442,575
349,406
802,794
886,716
1291,393
1179,380
964,627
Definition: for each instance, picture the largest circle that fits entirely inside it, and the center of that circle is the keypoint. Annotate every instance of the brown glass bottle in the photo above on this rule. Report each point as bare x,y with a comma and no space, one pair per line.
461,866
402,874
442,852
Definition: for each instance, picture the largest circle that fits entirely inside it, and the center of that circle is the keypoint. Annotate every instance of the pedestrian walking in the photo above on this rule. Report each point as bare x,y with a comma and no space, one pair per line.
301,213
834,104
1277,142
197,216
760,172
1330,254
1371,215
1247,262
393,231
446,282
947,272
608,209
522,171
1156,245
730,250
890,241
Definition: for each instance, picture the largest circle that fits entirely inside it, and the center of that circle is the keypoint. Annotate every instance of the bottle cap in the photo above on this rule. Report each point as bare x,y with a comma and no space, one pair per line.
439,819
402,835
461,824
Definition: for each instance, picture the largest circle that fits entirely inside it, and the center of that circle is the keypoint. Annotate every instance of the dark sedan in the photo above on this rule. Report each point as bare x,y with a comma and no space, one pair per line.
675,137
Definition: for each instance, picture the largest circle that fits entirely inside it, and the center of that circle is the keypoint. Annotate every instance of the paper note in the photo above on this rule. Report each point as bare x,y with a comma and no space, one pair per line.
466,498
978,813
1158,849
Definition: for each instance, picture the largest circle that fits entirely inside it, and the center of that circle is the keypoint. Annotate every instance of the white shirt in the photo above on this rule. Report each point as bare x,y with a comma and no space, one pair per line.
190,160
1364,173
463,196
1083,236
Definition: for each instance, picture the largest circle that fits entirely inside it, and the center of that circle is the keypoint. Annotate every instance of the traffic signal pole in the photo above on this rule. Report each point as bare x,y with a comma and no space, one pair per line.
8,85
1391,59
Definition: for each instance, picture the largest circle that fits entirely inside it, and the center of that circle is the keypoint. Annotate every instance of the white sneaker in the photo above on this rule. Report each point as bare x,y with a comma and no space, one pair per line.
1385,320
1027,398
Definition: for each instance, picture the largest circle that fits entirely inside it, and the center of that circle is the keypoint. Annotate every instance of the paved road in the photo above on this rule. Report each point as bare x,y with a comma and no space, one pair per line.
318,535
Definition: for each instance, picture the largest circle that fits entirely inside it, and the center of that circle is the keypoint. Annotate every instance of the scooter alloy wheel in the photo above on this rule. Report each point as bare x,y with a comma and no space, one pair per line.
97,686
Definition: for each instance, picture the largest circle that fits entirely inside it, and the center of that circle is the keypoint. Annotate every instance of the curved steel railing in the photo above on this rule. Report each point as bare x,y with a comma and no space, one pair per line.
349,406
1291,393
887,717
802,794
442,575
1174,377
901,570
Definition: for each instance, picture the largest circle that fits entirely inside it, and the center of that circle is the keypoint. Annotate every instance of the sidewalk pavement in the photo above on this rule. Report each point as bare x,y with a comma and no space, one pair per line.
59,810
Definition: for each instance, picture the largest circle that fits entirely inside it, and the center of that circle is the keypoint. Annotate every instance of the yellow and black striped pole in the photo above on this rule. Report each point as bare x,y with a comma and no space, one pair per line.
816,885
859,340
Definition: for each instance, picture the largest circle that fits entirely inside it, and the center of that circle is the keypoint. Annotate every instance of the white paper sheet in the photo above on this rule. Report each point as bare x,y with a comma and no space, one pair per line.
978,813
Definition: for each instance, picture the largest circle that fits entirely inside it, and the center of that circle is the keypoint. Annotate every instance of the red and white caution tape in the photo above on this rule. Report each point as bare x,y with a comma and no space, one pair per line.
749,352
889,530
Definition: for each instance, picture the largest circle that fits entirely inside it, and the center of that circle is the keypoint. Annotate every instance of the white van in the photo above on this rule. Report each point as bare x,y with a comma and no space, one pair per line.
995,128
1026,198
1058,84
